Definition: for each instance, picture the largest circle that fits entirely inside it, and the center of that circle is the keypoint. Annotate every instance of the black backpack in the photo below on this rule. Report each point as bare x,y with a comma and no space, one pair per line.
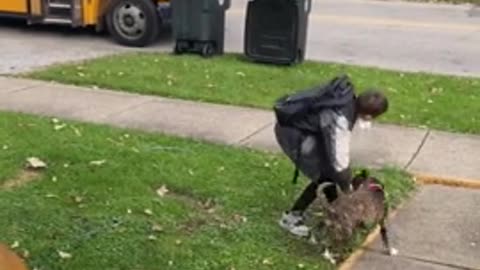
290,109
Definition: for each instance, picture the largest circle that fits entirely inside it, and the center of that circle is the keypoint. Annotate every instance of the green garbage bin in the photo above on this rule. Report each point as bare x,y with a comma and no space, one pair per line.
199,26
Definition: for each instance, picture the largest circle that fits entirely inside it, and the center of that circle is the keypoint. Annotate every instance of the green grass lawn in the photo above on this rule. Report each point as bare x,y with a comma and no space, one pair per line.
220,211
417,99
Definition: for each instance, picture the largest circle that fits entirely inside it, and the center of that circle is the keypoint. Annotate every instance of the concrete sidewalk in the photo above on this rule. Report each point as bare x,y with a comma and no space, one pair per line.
417,150
438,229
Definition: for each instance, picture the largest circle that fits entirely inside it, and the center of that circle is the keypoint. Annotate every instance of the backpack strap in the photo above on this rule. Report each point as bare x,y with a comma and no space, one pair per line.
296,171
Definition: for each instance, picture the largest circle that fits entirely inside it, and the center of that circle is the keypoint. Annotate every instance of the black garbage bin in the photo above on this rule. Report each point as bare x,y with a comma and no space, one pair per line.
276,30
199,26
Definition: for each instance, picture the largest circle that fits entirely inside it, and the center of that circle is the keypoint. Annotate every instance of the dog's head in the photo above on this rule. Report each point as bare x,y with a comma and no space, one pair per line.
364,180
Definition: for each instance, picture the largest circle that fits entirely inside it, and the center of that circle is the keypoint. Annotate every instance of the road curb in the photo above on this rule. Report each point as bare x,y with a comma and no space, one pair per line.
427,179
420,179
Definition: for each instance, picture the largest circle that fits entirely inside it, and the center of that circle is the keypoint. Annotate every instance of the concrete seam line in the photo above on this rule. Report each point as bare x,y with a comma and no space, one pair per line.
426,179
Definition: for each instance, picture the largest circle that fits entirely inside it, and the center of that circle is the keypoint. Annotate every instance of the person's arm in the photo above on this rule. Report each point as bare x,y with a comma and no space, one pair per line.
336,136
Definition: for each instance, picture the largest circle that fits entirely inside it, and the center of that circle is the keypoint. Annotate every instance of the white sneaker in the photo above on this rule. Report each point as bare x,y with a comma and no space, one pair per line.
294,223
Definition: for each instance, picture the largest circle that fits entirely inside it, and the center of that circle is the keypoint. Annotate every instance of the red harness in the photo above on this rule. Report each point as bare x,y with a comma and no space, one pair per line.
375,187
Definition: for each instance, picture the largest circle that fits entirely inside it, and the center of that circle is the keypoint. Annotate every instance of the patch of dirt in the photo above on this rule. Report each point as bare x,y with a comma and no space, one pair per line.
21,179
207,212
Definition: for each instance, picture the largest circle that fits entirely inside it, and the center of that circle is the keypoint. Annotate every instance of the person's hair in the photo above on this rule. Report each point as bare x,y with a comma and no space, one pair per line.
372,102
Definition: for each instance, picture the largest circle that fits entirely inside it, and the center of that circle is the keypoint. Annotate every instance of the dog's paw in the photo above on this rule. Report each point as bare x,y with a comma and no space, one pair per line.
393,252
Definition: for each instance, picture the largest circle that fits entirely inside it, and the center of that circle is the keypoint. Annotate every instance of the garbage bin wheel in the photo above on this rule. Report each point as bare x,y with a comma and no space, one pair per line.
181,47
133,23
298,58
208,49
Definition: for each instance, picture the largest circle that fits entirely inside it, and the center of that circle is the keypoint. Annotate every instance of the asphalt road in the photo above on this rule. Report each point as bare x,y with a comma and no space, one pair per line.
388,34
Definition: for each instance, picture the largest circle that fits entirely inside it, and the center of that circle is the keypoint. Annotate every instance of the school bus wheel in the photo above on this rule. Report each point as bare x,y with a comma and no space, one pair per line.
133,22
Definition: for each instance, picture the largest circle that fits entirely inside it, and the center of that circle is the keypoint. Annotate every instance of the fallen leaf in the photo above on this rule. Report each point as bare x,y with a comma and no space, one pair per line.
64,255
148,212
241,74
329,257
25,254
77,131
162,191
78,199
35,163
129,211
152,237
157,228
15,245
239,218
54,179
59,127
97,162
301,265
81,74
267,261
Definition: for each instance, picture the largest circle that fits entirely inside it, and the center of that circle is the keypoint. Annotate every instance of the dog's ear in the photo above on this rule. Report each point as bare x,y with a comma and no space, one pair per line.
359,179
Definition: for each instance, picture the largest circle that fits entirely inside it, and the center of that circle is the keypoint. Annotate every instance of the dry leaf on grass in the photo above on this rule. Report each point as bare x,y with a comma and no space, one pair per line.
148,212
15,245
240,218
77,131
162,191
59,127
97,162
35,163
157,228
64,255
241,74
329,257
267,261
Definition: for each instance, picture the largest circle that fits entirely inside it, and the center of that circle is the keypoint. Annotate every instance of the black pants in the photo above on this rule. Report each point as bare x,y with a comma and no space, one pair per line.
309,195
312,164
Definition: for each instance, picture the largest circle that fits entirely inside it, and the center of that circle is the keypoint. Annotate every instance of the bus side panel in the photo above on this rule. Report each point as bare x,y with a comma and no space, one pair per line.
14,6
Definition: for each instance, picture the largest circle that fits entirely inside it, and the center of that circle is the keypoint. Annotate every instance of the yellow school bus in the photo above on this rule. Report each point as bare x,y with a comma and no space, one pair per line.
129,22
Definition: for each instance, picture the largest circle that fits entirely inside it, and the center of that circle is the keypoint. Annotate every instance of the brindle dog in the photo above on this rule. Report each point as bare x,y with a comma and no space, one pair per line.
365,205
